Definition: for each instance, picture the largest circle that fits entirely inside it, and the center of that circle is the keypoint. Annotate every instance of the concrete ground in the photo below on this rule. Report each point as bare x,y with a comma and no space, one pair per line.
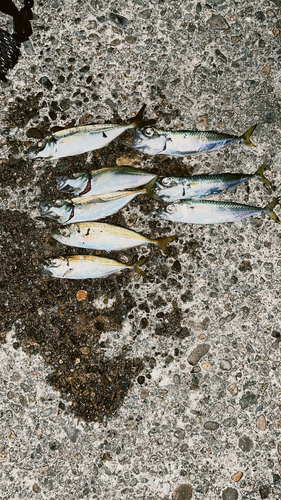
167,388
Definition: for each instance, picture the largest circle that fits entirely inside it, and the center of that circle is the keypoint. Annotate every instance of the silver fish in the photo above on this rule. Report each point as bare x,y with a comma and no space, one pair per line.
153,141
212,212
79,267
77,140
99,236
105,180
87,208
170,189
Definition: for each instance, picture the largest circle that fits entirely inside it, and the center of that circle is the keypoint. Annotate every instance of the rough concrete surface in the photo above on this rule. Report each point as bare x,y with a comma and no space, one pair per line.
167,388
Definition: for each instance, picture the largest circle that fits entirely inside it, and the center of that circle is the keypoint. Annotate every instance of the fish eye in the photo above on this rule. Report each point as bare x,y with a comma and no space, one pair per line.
40,144
55,262
166,181
149,132
64,231
170,209
58,203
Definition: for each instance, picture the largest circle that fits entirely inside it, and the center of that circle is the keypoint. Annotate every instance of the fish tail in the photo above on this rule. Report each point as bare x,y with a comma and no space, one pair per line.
246,136
136,267
150,184
139,122
162,242
269,209
260,176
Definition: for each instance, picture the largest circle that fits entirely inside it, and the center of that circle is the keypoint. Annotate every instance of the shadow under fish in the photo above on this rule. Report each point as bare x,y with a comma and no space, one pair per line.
10,43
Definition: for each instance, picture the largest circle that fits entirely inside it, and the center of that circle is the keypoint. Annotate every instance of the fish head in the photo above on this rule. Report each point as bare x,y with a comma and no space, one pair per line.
167,212
168,188
62,234
60,210
45,149
74,184
149,140
54,267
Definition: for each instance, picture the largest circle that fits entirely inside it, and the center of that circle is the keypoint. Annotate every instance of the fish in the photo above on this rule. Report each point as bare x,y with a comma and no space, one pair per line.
153,141
104,180
77,140
170,189
79,267
99,236
213,212
88,208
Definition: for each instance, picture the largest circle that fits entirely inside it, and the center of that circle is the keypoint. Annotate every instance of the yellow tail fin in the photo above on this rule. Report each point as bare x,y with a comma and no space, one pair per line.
260,176
136,267
162,242
269,209
246,136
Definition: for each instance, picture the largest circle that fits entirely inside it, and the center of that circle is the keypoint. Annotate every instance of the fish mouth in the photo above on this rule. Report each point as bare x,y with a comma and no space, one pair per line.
33,153
43,266
46,210
161,215
62,184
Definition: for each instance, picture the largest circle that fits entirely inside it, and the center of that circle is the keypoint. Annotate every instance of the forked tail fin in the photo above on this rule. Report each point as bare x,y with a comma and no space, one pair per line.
136,267
260,176
139,122
269,209
246,136
162,242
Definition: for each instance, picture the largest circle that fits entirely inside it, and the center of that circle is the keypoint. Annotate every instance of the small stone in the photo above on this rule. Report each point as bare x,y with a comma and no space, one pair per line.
225,365
202,120
34,133
81,295
46,83
233,389
266,70
245,266
85,350
36,488
237,476
15,377
197,354
177,379
86,118
182,492
279,448
230,494
261,423
131,39
217,22
211,426
120,21
78,456
179,433
25,387
126,161
264,491
276,32
132,220
277,423
206,366
245,444
65,104
144,393
248,399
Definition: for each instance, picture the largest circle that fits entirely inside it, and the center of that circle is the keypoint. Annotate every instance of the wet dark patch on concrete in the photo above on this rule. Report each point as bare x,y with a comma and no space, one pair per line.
51,321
